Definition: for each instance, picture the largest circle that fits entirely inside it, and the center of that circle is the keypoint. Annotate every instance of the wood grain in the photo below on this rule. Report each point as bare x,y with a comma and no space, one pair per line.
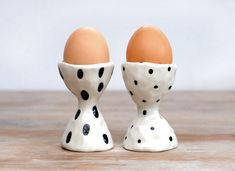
32,123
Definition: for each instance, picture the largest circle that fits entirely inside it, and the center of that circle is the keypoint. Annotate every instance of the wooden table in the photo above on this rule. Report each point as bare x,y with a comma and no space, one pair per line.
32,123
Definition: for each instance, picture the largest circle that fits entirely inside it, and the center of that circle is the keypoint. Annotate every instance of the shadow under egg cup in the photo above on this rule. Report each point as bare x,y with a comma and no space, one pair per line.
147,83
87,130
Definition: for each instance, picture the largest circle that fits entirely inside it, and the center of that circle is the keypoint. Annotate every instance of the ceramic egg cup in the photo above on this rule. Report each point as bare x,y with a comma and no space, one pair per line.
147,84
86,131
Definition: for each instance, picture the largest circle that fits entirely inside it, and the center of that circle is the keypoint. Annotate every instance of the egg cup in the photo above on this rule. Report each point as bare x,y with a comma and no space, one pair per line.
87,130
147,83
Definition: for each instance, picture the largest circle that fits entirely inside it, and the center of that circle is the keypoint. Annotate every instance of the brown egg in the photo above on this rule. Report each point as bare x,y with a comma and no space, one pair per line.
149,44
86,46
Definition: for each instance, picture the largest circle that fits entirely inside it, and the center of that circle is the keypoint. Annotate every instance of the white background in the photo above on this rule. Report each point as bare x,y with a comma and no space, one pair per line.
33,34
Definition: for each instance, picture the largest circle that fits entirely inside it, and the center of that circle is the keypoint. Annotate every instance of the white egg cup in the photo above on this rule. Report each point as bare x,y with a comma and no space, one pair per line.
147,83
87,130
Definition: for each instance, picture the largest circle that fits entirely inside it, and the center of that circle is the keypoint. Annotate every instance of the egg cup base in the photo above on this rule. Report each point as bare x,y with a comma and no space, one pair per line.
98,139
150,134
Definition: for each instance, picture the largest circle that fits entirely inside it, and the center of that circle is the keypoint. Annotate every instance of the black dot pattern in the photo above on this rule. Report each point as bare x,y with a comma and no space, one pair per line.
100,87
84,95
144,112
77,114
155,86
150,71
80,74
105,138
101,71
170,138
95,111
131,93
136,82
60,73
68,138
86,129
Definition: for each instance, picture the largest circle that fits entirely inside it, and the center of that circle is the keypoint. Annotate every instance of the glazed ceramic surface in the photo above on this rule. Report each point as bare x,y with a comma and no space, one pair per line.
87,130
147,84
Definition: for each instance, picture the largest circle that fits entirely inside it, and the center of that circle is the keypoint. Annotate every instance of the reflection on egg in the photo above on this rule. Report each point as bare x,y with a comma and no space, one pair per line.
149,44
86,46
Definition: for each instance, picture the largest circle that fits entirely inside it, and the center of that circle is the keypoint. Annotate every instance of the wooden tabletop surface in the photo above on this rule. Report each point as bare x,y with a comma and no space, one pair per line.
32,123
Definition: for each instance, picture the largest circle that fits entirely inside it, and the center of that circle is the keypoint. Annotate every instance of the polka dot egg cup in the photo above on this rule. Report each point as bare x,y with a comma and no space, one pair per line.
87,130
147,84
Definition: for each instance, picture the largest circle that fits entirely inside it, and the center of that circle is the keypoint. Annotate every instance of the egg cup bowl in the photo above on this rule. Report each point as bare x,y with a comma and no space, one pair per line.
147,84
86,131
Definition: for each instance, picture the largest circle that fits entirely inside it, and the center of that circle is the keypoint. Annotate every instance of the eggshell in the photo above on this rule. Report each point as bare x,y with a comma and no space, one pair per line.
86,46
149,44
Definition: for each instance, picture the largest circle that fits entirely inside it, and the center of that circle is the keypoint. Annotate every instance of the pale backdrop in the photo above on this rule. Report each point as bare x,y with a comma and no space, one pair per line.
33,34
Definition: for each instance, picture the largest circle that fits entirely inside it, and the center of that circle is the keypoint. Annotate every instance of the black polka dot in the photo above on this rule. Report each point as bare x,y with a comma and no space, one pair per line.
86,129
155,86
150,71
139,141
84,94
131,93
77,114
170,138
144,101
68,138
123,68
158,100
169,69
144,112
125,137
95,111
169,88
152,128
80,74
101,71
105,138
60,73
136,82
132,126
100,87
